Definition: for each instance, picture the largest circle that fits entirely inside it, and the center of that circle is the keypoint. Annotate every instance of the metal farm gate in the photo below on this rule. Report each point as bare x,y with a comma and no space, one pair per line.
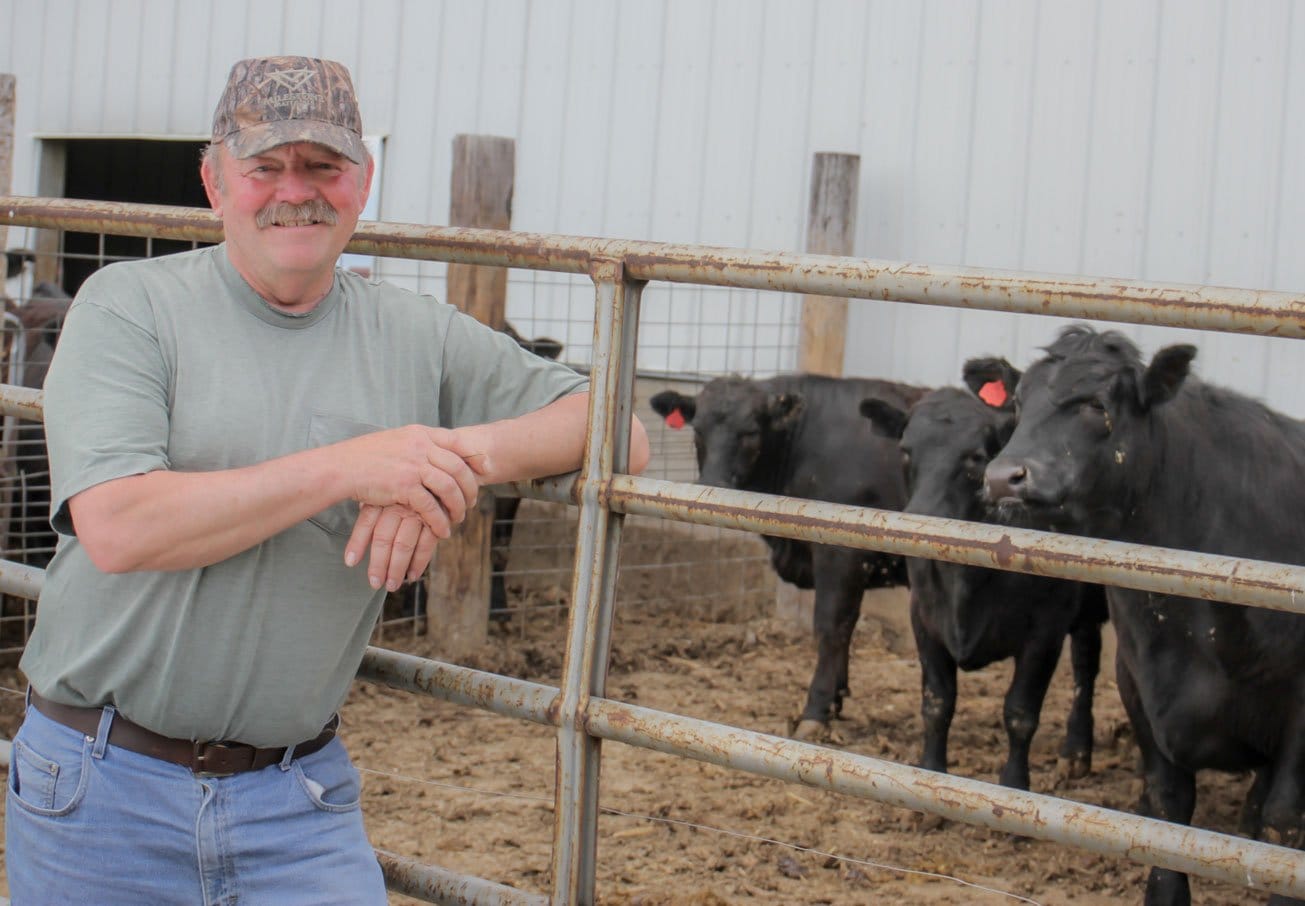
581,712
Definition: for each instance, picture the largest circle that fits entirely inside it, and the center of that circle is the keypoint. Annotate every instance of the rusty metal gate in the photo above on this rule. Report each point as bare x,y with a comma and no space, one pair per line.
605,495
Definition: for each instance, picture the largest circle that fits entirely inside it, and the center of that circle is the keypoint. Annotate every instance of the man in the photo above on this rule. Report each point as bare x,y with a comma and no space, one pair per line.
232,431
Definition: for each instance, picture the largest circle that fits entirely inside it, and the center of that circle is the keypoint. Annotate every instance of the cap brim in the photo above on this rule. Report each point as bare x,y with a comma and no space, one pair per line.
265,136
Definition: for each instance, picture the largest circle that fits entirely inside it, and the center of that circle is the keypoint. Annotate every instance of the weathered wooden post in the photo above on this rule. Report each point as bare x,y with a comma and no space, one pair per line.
831,230
459,578
8,102
8,94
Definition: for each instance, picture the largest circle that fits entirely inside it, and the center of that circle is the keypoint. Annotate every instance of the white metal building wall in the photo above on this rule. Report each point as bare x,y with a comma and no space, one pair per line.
1151,139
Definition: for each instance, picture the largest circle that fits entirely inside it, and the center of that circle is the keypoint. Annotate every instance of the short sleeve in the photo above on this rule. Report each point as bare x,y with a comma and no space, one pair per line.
488,376
106,396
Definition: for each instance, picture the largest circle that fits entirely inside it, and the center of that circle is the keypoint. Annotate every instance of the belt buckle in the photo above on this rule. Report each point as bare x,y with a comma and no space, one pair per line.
199,755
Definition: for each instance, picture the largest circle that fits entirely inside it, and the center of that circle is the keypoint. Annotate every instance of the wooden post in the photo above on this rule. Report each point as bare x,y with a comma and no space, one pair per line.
831,230
8,101
459,578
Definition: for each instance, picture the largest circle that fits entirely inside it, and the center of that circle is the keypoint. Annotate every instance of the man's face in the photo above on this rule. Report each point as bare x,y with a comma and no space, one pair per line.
287,213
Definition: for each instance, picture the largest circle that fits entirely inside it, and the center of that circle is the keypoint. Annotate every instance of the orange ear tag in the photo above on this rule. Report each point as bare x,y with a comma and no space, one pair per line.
993,393
675,420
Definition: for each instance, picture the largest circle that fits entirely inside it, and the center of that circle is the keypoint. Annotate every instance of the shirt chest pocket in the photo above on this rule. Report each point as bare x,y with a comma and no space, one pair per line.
324,429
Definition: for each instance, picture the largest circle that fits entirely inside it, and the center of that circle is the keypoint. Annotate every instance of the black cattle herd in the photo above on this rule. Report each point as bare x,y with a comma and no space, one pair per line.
1091,440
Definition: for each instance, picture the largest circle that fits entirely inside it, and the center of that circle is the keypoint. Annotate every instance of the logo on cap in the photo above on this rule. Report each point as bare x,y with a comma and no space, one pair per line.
271,101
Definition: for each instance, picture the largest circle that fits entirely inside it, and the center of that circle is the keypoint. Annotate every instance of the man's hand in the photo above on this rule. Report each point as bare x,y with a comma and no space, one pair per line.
401,545
401,538
432,472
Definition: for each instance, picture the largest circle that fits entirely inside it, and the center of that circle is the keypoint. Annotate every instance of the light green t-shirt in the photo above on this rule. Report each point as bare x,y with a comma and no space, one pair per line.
176,363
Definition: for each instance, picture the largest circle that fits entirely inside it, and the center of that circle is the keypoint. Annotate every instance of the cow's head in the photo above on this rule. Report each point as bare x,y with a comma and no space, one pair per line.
737,425
1085,414
947,440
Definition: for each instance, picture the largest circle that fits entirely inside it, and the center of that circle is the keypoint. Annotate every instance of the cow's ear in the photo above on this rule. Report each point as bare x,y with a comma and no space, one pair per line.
992,380
784,409
887,419
676,408
1166,373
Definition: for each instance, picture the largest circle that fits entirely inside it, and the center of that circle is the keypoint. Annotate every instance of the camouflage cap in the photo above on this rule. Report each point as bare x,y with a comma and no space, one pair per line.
271,101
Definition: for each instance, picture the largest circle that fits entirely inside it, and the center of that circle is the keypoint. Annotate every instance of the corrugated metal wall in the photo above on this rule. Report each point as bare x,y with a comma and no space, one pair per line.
1132,138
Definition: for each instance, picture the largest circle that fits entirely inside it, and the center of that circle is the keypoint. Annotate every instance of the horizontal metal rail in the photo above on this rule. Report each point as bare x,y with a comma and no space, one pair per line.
1229,309
1214,577
438,885
1221,857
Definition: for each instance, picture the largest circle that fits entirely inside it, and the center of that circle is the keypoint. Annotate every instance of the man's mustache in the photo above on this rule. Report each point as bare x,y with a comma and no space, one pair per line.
283,213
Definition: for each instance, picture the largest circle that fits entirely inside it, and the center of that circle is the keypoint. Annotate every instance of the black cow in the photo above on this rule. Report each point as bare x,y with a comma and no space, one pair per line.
1114,447
800,436
970,617
413,594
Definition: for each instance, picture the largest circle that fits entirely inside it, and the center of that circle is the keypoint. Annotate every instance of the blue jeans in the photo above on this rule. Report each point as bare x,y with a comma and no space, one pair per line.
90,823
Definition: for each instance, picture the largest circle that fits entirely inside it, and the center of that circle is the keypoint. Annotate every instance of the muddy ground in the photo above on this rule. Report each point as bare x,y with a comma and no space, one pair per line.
472,791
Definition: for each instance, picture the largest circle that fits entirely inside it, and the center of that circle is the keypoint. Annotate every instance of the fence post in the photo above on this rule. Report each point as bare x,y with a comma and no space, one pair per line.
831,230
8,102
458,581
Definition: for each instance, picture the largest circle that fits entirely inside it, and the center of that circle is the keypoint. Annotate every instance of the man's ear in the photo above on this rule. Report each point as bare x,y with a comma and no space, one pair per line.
210,180
367,180
1166,373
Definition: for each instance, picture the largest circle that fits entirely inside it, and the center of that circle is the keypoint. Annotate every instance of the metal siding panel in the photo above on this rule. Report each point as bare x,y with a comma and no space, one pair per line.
925,347
729,162
502,67
782,161
1177,231
678,176
1118,166
633,121
1285,359
543,106
729,153
193,93
997,163
456,96
302,27
376,75
582,168
834,112
265,29
155,79
86,60
1050,236
891,92
682,128
1248,134
339,29
56,72
227,43
542,147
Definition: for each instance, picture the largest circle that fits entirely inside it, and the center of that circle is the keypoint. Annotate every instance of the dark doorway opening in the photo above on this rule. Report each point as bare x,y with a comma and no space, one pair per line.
142,171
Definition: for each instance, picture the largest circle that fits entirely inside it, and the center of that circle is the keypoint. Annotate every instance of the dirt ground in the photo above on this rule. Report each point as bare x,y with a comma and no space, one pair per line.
472,791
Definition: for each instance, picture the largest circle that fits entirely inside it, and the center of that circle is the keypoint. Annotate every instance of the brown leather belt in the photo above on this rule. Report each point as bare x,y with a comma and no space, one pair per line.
205,759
